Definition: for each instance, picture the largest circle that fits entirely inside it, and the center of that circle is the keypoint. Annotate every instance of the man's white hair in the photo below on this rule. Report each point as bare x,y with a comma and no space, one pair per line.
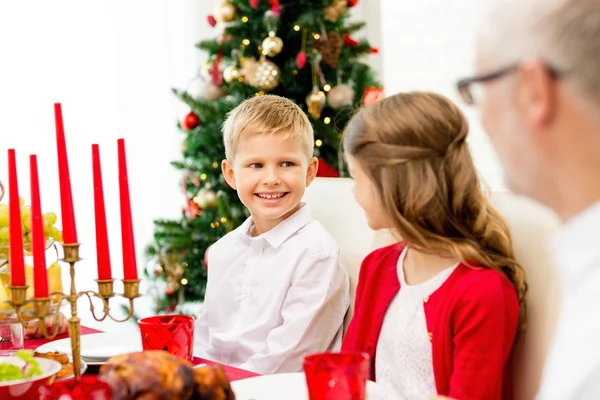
563,33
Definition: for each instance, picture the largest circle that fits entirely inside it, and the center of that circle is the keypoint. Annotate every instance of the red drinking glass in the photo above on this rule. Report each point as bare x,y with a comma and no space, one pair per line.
87,388
337,376
172,333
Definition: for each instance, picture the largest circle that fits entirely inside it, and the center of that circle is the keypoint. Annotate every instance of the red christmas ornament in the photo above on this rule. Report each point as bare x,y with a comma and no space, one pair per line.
254,3
211,20
348,41
301,59
326,171
374,50
190,121
215,73
372,94
352,3
276,7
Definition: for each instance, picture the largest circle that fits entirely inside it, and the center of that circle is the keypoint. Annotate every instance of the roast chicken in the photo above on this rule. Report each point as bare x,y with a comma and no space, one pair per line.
157,375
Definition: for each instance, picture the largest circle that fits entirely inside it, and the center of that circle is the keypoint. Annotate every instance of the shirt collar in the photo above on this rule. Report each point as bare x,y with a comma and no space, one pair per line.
281,232
575,245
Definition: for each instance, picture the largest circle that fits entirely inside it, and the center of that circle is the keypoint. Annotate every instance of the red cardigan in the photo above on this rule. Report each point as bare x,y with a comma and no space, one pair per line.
472,322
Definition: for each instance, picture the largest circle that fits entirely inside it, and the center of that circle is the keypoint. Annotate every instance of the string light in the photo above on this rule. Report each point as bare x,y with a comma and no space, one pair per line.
327,120
212,225
215,165
184,281
244,19
223,220
240,79
316,36
216,223
327,88
318,142
246,42
295,72
296,28
203,176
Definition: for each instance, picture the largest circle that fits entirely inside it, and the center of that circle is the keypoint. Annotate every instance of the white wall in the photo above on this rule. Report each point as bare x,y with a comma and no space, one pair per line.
428,45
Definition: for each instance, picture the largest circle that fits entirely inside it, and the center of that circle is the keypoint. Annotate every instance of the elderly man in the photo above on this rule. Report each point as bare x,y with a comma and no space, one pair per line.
538,64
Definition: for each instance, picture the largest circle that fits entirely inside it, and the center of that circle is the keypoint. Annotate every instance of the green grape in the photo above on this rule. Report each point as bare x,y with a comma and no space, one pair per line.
50,218
26,214
3,215
54,233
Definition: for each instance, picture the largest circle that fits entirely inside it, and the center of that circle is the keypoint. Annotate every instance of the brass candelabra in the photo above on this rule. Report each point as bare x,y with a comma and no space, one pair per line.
43,308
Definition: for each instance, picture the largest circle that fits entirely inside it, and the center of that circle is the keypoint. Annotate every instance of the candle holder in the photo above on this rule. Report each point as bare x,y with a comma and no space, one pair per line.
28,309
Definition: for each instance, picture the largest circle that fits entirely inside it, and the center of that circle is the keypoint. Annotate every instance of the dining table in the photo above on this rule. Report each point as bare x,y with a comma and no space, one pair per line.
232,373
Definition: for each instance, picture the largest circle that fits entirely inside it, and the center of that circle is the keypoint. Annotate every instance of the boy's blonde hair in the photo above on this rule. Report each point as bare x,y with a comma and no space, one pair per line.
267,114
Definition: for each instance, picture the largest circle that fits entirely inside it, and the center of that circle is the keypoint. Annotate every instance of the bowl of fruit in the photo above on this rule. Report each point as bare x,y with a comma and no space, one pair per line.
22,375
51,234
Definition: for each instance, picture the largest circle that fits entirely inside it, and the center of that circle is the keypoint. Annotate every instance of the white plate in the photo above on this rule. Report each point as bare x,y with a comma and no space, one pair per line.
99,347
290,386
64,346
50,347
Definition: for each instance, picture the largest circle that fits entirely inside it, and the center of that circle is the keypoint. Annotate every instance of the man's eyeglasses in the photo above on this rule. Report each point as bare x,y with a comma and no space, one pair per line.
467,88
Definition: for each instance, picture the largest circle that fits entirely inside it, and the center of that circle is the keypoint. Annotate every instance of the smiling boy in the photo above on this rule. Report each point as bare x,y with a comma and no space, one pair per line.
277,287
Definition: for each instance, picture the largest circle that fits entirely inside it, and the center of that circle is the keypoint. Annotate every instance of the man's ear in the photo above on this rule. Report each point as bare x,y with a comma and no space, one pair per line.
228,173
311,171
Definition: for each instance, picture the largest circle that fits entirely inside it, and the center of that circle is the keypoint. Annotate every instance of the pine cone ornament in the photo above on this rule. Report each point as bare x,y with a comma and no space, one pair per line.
330,47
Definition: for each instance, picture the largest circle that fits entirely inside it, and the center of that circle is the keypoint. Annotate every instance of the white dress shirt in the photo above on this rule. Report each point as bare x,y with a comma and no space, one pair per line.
572,370
404,363
272,299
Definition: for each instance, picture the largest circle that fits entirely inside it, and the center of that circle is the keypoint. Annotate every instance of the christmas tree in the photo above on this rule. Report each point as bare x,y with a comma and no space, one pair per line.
300,49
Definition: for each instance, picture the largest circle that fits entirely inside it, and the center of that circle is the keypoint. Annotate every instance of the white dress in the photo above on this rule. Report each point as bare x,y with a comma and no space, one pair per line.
403,361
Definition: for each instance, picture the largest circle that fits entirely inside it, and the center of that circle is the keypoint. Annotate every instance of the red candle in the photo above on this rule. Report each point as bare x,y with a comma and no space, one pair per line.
66,197
129,263
38,245
16,256
103,255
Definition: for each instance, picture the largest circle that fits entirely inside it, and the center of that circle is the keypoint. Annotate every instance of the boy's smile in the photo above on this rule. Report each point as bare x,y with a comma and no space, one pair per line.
270,173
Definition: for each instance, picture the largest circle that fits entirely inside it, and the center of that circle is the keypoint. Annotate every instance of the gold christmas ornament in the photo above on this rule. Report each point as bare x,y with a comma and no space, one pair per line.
225,11
340,96
315,102
335,10
272,45
264,76
206,69
248,65
206,199
231,73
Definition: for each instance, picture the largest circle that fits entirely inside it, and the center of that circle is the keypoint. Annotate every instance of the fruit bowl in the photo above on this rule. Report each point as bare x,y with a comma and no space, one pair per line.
28,387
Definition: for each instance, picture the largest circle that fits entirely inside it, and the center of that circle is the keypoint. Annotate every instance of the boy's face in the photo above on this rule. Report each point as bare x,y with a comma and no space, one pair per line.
270,174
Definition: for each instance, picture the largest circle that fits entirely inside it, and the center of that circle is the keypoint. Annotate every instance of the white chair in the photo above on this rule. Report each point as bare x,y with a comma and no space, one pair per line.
332,203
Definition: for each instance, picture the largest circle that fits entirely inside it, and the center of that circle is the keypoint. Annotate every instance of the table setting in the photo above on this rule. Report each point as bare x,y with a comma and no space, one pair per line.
156,362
